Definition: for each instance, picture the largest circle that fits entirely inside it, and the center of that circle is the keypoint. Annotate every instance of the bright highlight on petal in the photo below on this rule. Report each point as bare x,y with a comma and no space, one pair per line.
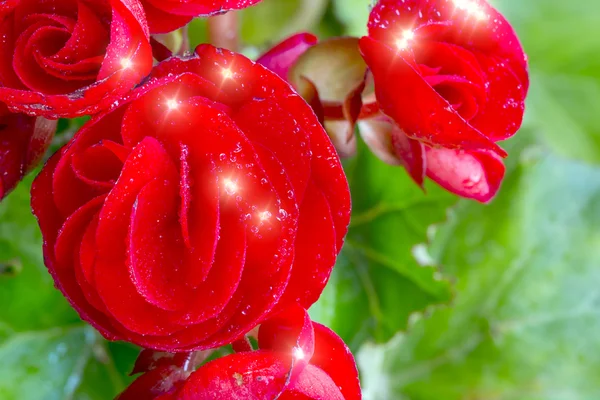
126,63
298,353
172,104
227,73
407,36
472,8
231,187
265,215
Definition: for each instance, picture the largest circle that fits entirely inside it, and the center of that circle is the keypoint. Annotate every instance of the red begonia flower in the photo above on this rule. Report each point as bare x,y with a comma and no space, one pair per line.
297,359
207,200
450,73
326,73
66,58
23,142
167,15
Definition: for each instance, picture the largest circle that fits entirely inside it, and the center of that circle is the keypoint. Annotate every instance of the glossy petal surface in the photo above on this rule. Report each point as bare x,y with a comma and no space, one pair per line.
471,174
298,359
180,220
458,62
68,58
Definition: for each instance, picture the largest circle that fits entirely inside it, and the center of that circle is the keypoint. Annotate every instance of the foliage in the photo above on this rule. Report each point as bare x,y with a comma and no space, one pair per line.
524,322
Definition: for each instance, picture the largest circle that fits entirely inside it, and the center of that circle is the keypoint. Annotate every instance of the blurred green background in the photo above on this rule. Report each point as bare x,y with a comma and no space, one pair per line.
439,299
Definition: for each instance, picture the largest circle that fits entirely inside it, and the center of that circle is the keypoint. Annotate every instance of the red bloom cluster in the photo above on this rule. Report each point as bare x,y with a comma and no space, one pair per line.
297,358
204,198
208,199
448,76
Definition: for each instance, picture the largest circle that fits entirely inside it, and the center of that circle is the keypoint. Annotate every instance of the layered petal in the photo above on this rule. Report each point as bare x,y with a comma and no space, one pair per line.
452,76
69,58
474,175
297,359
180,220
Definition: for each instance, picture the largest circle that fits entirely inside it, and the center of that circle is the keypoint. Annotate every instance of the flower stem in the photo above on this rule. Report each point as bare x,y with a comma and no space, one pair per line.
223,31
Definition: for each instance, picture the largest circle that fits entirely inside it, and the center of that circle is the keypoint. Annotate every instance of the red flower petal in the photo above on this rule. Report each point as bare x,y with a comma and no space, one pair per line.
472,174
290,332
458,66
167,15
23,142
420,111
472,24
161,383
185,210
69,59
282,57
313,383
252,375
150,359
160,21
502,113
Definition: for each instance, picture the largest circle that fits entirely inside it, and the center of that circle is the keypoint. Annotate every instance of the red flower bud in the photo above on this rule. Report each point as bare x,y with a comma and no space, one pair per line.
23,142
63,58
167,15
209,199
452,75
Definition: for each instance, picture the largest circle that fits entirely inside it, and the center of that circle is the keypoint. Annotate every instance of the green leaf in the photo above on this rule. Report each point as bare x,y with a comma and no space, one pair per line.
47,353
556,116
556,33
378,283
527,313
272,20
354,15
34,302
564,100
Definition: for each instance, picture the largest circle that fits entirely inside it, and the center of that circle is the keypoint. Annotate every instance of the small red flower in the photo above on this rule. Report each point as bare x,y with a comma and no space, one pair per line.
297,358
209,199
65,58
167,15
23,142
452,75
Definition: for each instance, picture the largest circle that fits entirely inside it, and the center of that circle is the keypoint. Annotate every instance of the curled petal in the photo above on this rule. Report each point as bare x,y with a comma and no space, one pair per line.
290,332
281,58
472,174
